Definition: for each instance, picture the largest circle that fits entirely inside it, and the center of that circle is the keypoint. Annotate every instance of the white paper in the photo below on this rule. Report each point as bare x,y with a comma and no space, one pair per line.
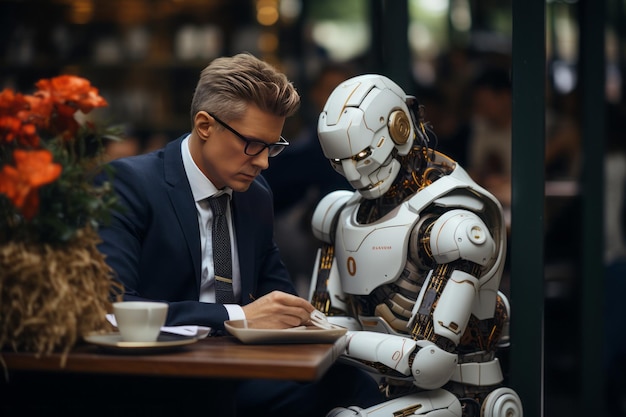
188,330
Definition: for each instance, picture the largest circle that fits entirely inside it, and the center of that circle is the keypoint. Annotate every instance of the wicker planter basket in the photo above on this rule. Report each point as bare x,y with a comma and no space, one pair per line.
52,296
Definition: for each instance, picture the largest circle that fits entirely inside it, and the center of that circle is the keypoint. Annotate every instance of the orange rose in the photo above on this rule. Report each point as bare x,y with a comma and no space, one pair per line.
11,103
17,120
39,111
66,94
20,183
73,91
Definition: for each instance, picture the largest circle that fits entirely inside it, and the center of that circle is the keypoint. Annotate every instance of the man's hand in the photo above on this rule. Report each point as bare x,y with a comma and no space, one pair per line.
278,310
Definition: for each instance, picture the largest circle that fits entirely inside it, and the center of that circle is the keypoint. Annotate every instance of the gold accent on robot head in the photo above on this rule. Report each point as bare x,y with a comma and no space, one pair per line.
399,127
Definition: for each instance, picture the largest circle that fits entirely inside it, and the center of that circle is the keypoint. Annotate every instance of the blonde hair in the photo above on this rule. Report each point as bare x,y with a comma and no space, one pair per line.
228,84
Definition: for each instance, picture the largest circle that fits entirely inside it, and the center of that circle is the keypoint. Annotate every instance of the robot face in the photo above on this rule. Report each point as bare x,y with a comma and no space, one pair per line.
363,126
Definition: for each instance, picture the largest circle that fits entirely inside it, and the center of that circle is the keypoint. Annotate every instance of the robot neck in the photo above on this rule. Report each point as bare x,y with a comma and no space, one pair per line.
417,171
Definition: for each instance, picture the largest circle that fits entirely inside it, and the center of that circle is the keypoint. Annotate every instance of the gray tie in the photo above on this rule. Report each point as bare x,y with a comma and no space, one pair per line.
222,258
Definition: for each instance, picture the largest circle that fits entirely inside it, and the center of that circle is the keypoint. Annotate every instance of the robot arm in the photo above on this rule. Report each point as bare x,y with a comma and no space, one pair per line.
461,234
458,244
427,364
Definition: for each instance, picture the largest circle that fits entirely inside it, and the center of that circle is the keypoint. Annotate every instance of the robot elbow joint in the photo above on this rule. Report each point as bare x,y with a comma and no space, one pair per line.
433,367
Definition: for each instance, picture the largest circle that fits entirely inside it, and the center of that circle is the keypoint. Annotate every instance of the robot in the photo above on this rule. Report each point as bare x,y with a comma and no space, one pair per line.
410,261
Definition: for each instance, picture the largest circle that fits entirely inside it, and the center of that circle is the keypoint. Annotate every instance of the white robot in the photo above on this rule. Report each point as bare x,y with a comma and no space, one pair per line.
411,260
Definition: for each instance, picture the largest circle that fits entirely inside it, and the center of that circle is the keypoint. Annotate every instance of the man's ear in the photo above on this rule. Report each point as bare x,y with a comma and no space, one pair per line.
203,123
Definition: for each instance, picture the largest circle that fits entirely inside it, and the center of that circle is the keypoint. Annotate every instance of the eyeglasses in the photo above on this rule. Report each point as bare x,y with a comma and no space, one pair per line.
255,147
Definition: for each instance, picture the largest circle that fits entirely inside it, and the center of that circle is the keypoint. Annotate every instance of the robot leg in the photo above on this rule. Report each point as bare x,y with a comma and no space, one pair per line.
436,403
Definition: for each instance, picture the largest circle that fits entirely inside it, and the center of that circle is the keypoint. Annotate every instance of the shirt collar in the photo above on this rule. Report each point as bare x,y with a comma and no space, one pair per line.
201,186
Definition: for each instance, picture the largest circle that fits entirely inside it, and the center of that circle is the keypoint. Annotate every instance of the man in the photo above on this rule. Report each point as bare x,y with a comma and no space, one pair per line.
160,245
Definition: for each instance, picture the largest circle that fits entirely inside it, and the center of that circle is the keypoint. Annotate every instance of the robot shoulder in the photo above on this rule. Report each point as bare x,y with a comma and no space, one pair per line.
326,213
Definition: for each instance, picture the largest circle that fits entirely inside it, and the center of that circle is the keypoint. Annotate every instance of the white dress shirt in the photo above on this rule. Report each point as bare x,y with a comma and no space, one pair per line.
202,188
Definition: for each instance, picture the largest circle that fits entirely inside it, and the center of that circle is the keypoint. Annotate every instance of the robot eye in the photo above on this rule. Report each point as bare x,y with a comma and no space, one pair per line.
362,155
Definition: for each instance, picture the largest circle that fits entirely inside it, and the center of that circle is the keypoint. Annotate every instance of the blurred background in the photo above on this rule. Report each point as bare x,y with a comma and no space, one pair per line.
456,56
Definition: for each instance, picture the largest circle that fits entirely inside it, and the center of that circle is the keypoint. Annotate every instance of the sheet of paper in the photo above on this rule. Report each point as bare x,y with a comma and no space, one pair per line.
187,330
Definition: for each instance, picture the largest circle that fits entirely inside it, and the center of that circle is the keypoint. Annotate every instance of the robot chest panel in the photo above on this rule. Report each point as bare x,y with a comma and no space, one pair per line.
371,255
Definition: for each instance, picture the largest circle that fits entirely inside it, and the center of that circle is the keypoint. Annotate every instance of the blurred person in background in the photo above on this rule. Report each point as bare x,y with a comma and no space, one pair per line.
489,146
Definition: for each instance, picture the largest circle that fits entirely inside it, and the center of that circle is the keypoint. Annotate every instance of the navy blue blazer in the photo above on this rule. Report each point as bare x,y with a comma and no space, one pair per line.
153,245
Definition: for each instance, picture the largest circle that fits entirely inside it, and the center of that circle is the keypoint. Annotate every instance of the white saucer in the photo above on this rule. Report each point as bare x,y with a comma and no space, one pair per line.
113,341
311,334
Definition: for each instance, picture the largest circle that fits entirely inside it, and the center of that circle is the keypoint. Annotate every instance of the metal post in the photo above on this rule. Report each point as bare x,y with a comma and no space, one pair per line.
527,223
390,42
592,70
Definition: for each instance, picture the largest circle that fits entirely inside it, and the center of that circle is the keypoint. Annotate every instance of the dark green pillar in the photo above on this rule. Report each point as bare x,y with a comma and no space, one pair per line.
592,79
527,235
390,54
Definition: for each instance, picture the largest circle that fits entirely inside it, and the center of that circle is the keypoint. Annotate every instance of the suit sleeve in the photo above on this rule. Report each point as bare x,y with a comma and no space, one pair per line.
122,237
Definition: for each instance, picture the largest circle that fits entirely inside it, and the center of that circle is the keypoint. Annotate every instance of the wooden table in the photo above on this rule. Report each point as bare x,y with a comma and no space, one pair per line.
158,384
214,357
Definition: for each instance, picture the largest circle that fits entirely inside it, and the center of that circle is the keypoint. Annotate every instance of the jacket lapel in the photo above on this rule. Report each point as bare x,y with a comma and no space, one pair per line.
182,201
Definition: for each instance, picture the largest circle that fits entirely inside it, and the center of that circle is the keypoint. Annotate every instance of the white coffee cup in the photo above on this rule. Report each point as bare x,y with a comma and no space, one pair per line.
140,321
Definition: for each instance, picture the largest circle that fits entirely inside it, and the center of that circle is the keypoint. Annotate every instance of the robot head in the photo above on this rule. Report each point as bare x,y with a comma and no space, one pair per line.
366,123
